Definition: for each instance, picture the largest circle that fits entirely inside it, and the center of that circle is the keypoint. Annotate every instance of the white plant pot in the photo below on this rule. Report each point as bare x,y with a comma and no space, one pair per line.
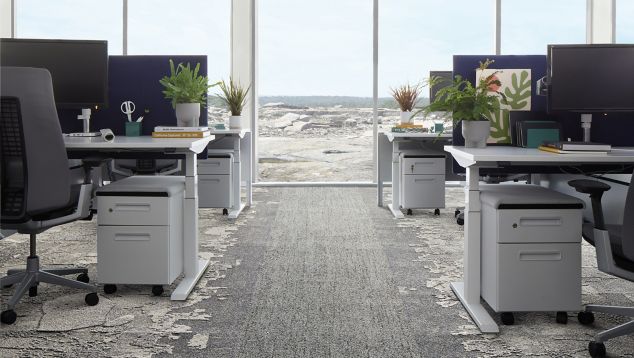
187,114
406,117
235,122
476,133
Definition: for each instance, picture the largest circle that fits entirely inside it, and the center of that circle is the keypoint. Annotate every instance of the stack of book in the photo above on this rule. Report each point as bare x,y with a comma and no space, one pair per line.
180,132
409,128
576,148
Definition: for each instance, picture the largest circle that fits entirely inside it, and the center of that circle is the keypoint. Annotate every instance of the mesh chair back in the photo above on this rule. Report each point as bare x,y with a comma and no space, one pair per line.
627,238
33,151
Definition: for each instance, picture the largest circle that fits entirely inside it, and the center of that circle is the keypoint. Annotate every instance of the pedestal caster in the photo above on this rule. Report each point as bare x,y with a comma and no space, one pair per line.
157,290
507,318
225,211
409,211
109,289
437,212
562,317
585,318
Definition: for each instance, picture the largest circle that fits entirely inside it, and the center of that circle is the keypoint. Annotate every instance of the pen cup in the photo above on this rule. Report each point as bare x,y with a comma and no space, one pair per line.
132,129
438,127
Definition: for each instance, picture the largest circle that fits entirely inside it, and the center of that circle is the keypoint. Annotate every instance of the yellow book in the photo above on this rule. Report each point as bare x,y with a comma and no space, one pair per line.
200,134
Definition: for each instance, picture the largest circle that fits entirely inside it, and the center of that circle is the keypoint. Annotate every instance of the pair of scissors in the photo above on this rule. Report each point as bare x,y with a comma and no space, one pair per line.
127,107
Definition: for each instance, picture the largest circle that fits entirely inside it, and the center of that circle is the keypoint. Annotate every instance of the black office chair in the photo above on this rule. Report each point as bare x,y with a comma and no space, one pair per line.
614,245
37,192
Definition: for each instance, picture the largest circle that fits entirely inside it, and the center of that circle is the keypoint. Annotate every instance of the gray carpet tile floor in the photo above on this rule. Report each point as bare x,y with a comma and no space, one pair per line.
305,272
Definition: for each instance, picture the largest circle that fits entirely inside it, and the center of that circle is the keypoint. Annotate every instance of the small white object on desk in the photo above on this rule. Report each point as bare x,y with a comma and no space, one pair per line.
128,107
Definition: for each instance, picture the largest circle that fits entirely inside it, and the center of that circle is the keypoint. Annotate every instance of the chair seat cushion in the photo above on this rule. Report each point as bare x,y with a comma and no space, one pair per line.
615,243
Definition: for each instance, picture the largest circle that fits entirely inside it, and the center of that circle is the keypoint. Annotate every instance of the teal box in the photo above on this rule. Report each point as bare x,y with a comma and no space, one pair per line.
438,127
132,129
537,136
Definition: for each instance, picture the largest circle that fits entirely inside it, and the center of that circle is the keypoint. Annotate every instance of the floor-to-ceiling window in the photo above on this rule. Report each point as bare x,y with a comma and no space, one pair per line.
315,85
419,36
188,27
71,19
529,26
625,21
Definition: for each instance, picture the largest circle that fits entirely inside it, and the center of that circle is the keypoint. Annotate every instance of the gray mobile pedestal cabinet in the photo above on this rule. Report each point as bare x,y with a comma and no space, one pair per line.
423,181
214,182
140,232
531,250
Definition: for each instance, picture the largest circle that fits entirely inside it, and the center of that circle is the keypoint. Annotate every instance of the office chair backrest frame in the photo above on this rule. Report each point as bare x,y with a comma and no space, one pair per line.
627,234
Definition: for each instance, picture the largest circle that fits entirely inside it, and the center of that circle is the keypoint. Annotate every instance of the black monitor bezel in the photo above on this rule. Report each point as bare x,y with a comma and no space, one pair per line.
72,105
549,59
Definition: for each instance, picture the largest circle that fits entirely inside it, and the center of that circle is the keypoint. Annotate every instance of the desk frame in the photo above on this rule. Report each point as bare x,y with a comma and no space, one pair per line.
473,159
193,265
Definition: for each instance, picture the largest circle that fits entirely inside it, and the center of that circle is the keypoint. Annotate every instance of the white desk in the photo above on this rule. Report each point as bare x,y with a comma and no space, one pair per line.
473,159
194,266
389,150
238,141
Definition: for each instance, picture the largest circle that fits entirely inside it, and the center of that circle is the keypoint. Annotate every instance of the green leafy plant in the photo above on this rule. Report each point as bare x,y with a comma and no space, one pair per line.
185,85
465,102
406,96
234,96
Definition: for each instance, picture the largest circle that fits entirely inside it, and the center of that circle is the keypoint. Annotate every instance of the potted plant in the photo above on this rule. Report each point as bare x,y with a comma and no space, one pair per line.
187,91
472,105
406,96
235,98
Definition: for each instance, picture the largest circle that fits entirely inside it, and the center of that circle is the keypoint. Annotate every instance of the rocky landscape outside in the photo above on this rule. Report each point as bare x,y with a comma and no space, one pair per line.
314,139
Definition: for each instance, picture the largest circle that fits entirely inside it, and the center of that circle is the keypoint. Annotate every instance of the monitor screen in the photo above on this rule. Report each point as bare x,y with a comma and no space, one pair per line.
587,78
79,68
446,78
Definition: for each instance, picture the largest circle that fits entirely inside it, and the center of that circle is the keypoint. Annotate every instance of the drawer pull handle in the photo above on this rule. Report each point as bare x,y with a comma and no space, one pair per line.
424,163
132,237
540,256
540,221
132,207
426,179
215,164
213,180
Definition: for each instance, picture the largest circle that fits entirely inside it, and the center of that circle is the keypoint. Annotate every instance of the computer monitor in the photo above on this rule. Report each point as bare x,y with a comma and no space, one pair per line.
591,78
79,68
446,78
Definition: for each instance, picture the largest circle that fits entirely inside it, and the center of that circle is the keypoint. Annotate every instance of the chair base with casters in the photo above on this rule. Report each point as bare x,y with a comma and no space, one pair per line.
611,259
28,279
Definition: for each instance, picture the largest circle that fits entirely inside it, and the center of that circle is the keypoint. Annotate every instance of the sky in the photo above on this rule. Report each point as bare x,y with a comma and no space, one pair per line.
322,47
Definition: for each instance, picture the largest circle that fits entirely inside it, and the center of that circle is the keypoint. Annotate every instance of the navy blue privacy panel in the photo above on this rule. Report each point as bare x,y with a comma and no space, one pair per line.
465,66
135,78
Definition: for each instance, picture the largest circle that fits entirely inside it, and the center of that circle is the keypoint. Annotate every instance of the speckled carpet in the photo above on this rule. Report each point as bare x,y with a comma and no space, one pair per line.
306,272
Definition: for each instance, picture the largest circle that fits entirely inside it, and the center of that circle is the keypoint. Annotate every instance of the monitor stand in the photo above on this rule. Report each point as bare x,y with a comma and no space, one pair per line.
586,123
85,116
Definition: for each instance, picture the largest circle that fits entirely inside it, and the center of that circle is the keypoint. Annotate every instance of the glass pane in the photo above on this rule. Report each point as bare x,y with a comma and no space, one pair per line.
186,27
424,38
71,19
625,21
315,71
529,26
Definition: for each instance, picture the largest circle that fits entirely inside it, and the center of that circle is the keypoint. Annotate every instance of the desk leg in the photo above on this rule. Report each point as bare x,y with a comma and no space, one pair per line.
379,179
468,292
395,207
236,198
193,266
247,147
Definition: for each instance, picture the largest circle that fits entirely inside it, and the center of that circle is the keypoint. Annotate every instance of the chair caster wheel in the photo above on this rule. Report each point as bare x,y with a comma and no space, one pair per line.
33,291
8,317
456,213
225,212
585,317
507,318
92,299
437,212
596,349
562,317
83,277
7,286
109,289
409,211
460,221
157,290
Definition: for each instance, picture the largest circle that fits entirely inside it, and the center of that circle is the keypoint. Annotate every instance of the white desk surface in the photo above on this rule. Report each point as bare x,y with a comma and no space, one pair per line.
241,132
392,135
196,145
469,156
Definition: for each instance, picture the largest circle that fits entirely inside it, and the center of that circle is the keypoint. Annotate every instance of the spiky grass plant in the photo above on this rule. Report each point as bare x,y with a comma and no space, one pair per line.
406,96
185,85
234,96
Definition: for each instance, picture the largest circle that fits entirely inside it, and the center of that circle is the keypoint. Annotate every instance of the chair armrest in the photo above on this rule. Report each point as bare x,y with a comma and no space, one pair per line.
596,190
587,186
